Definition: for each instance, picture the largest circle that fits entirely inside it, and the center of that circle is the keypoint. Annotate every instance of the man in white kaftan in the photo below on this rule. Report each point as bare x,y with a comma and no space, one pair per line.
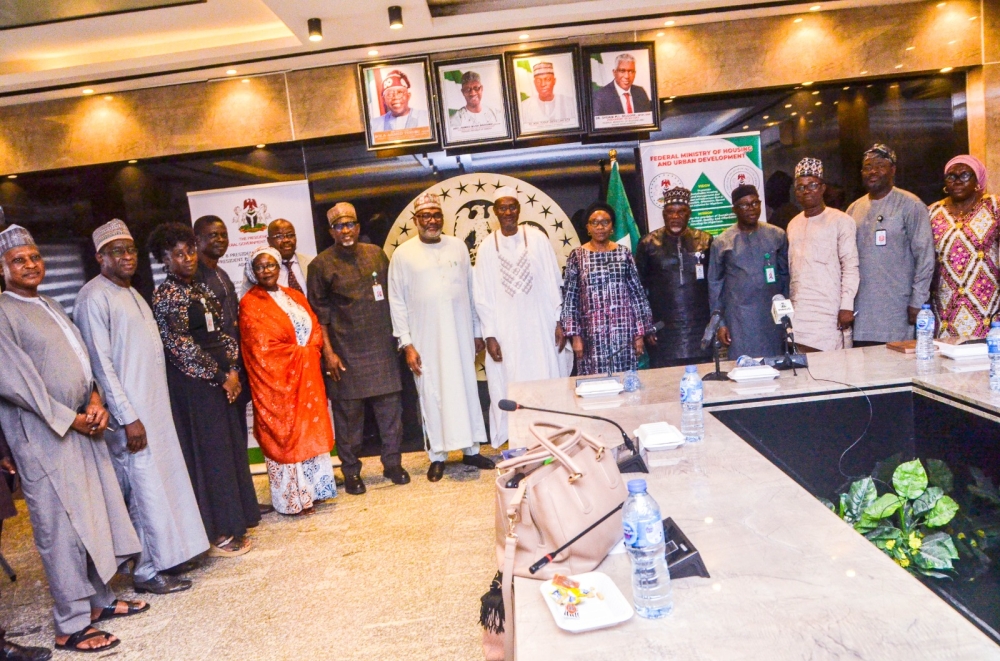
126,352
518,300
435,322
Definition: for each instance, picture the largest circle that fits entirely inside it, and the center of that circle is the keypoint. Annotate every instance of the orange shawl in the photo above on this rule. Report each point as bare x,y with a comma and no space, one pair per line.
290,419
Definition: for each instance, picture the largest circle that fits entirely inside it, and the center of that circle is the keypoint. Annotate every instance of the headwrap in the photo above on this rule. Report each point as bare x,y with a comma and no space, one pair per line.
599,206
974,163
426,201
677,195
506,191
248,269
742,191
341,210
110,231
15,236
882,151
543,68
809,167
395,78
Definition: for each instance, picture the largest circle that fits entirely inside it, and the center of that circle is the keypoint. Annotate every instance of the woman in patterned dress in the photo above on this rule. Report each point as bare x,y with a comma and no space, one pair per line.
282,344
605,310
203,380
966,229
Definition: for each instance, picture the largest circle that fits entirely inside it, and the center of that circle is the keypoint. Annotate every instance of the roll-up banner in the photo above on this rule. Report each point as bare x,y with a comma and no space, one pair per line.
710,167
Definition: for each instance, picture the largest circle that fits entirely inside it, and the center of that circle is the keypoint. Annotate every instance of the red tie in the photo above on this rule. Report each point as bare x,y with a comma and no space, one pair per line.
628,104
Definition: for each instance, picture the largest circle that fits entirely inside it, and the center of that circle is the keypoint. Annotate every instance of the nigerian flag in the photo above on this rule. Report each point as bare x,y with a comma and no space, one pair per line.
626,231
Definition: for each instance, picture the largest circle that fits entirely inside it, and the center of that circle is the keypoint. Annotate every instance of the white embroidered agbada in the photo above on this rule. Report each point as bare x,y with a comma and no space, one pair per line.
518,299
430,298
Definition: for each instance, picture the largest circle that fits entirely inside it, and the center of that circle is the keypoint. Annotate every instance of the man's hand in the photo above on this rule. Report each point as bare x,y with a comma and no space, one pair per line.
560,338
480,345
96,415
135,432
232,386
639,344
334,365
651,339
911,314
413,360
7,465
493,348
577,346
723,335
845,318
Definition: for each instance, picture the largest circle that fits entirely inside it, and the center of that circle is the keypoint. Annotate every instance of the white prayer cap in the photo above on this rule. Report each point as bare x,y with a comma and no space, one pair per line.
506,191
341,210
426,201
110,231
542,68
15,236
263,250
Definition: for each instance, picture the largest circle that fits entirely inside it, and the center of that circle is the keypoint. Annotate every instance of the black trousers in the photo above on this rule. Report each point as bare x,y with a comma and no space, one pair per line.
349,428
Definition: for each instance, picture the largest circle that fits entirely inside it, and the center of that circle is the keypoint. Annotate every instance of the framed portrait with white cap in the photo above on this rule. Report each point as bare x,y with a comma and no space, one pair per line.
621,88
397,102
472,101
544,91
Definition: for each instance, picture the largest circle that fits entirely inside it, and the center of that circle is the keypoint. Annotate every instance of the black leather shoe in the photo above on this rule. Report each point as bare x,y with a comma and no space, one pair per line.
354,485
265,509
479,461
397,474
162,584
11,652
182,568
436,471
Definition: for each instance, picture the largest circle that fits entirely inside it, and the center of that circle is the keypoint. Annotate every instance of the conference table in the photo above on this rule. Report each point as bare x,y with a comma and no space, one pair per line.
789,579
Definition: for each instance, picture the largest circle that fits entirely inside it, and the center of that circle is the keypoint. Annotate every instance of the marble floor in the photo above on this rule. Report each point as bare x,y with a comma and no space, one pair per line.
394,574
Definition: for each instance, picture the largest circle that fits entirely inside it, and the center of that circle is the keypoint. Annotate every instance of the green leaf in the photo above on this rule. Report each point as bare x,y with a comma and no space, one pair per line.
943,511
939,475
866,524
879,536
523,64
927,500
909,479
885,505
454,76
861,494
983,487
932,574
883,469
936,552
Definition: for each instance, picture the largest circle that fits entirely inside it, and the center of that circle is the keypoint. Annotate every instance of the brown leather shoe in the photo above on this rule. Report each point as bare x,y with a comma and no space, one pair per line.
436,471
397,474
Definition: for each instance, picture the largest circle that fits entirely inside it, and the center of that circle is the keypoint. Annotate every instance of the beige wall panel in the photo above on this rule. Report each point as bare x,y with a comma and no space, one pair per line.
991,31
991,91
324,102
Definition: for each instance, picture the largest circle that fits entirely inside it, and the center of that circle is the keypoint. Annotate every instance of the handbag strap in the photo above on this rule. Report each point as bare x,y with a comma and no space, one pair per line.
507,579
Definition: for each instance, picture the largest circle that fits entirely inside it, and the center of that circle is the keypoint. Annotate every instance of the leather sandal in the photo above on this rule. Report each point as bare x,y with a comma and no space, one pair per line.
109,612
72,643
229,548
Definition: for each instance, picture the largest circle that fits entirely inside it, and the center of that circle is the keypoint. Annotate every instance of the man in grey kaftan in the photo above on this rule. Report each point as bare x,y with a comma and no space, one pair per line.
79,519
126,352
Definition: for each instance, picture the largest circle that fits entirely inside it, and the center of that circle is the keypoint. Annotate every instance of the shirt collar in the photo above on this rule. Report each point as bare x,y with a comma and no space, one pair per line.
36,300
621,91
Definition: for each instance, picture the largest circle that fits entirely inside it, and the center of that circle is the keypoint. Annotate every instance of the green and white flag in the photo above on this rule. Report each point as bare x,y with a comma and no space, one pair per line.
626,231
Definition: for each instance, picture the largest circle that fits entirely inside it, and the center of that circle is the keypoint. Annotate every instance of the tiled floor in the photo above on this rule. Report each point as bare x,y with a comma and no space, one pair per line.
392,575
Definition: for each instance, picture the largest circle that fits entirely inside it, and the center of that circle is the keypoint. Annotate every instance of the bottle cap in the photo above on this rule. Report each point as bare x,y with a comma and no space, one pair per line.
925,306
691,369
637,486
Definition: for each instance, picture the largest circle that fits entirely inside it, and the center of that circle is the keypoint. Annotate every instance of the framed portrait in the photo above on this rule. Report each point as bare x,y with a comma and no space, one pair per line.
621,88
472,101
396,97
544,94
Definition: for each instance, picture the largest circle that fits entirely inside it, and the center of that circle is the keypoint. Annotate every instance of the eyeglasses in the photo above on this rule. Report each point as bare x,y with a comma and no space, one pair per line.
965,177
600,222
749,205
118,253
282,237
811,187
266,266
507,207
347,225
437,215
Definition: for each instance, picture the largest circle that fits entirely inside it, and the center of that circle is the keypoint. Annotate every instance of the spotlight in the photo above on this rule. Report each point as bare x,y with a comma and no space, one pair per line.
12,176
946,69
798,20
231,72
261,146
670,24
245,80
315,29
815,8
373,52
396,17
133,161
524,36
108,97
808,83
87,91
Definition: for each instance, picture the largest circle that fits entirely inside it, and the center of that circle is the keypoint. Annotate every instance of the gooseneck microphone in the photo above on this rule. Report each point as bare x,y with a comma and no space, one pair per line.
711,329
633,464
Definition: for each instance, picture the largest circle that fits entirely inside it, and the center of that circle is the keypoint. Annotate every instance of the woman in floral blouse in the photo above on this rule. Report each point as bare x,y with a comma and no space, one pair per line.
203,379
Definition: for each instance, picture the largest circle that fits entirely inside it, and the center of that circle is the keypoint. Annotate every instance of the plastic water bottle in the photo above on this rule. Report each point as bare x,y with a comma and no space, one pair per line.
645,544
993,342
630,381
925,334
692,418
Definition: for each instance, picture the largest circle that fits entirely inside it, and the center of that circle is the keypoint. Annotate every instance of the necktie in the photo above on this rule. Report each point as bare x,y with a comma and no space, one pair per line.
628,103
293,282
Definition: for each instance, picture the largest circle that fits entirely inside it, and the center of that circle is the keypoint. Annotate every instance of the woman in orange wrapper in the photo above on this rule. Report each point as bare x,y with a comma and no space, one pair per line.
282,343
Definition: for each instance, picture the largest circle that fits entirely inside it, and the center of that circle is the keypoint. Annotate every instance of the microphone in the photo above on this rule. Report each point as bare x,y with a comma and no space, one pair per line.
633,464
657,327
710,330
782,311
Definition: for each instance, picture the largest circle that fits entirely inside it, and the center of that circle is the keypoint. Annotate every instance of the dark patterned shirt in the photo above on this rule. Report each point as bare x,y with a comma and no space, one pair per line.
182,312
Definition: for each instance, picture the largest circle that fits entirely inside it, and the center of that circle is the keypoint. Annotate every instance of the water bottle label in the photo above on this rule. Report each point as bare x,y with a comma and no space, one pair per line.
924,324
691,394
630,534
653,533
643,534
993,344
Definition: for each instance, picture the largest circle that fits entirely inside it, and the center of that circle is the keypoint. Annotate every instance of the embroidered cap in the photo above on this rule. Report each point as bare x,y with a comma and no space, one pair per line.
506,191
110,231
15,236
742,191
543,68
426,201
677,196
341,210
882,151
395,78
809,167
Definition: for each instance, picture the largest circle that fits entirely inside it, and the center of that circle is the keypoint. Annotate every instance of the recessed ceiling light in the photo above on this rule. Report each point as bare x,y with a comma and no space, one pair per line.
788,105
766,117
245,80
108,97
953,42
673,97
746,126
869,86
911,48
864,72
847,88
660,34
941,5
836,102
798,20
816,92
899,66
794,114
670,23
815,8
524,36
972,18
133,161
373,52
809,112
261,146
12,176
88,91
946,69
230,72
819,103
669,101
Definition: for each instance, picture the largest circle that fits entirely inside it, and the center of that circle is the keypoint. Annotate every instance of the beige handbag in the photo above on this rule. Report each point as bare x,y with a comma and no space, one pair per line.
552,504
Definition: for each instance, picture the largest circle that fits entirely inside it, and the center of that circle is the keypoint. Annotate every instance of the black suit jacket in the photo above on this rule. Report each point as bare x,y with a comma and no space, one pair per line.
607,101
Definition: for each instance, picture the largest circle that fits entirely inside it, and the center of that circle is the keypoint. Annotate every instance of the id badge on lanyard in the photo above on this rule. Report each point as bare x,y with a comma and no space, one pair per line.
770,277
699,268
209,318
377,288
881,238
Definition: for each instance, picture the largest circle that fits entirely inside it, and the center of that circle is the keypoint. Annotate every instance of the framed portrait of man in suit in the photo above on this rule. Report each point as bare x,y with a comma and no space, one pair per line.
396,98
621,88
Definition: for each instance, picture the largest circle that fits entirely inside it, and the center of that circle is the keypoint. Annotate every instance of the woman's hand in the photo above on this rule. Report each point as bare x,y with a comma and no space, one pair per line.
577,346
640,345
232,386
560,338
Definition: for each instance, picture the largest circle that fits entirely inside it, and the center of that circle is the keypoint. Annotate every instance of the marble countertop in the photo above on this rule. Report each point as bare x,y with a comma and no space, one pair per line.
789,579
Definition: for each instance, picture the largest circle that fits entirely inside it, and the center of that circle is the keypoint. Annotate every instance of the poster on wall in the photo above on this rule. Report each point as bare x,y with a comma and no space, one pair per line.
396,98
621,94
544,91
247,210
473,101
710,167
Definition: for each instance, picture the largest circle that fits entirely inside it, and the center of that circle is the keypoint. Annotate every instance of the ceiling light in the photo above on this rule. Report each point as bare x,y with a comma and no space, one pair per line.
788,105
972,18
766,117
745,127
899,66
864,72
660,34
809,112
230,72
108,97
816,92
12,176
798,20
669,101
794,114
245,80
523,36
673,97
315,29
373,52
815,8
847,88
261,146
670,23
946,69
941,5
133,161
808,83
396,17
88,91
953,42
911,48
819,103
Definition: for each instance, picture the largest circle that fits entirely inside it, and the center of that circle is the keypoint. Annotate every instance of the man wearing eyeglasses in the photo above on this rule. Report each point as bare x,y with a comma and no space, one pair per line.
823,260
895,250
294,265
347,291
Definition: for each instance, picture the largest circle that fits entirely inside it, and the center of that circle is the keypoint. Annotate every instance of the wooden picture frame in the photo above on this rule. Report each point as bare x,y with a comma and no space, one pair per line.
527,73
605,73
386,88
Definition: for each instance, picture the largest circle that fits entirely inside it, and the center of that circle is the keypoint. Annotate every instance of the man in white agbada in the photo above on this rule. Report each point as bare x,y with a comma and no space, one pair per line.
518,298
53,418
435,323
127,356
